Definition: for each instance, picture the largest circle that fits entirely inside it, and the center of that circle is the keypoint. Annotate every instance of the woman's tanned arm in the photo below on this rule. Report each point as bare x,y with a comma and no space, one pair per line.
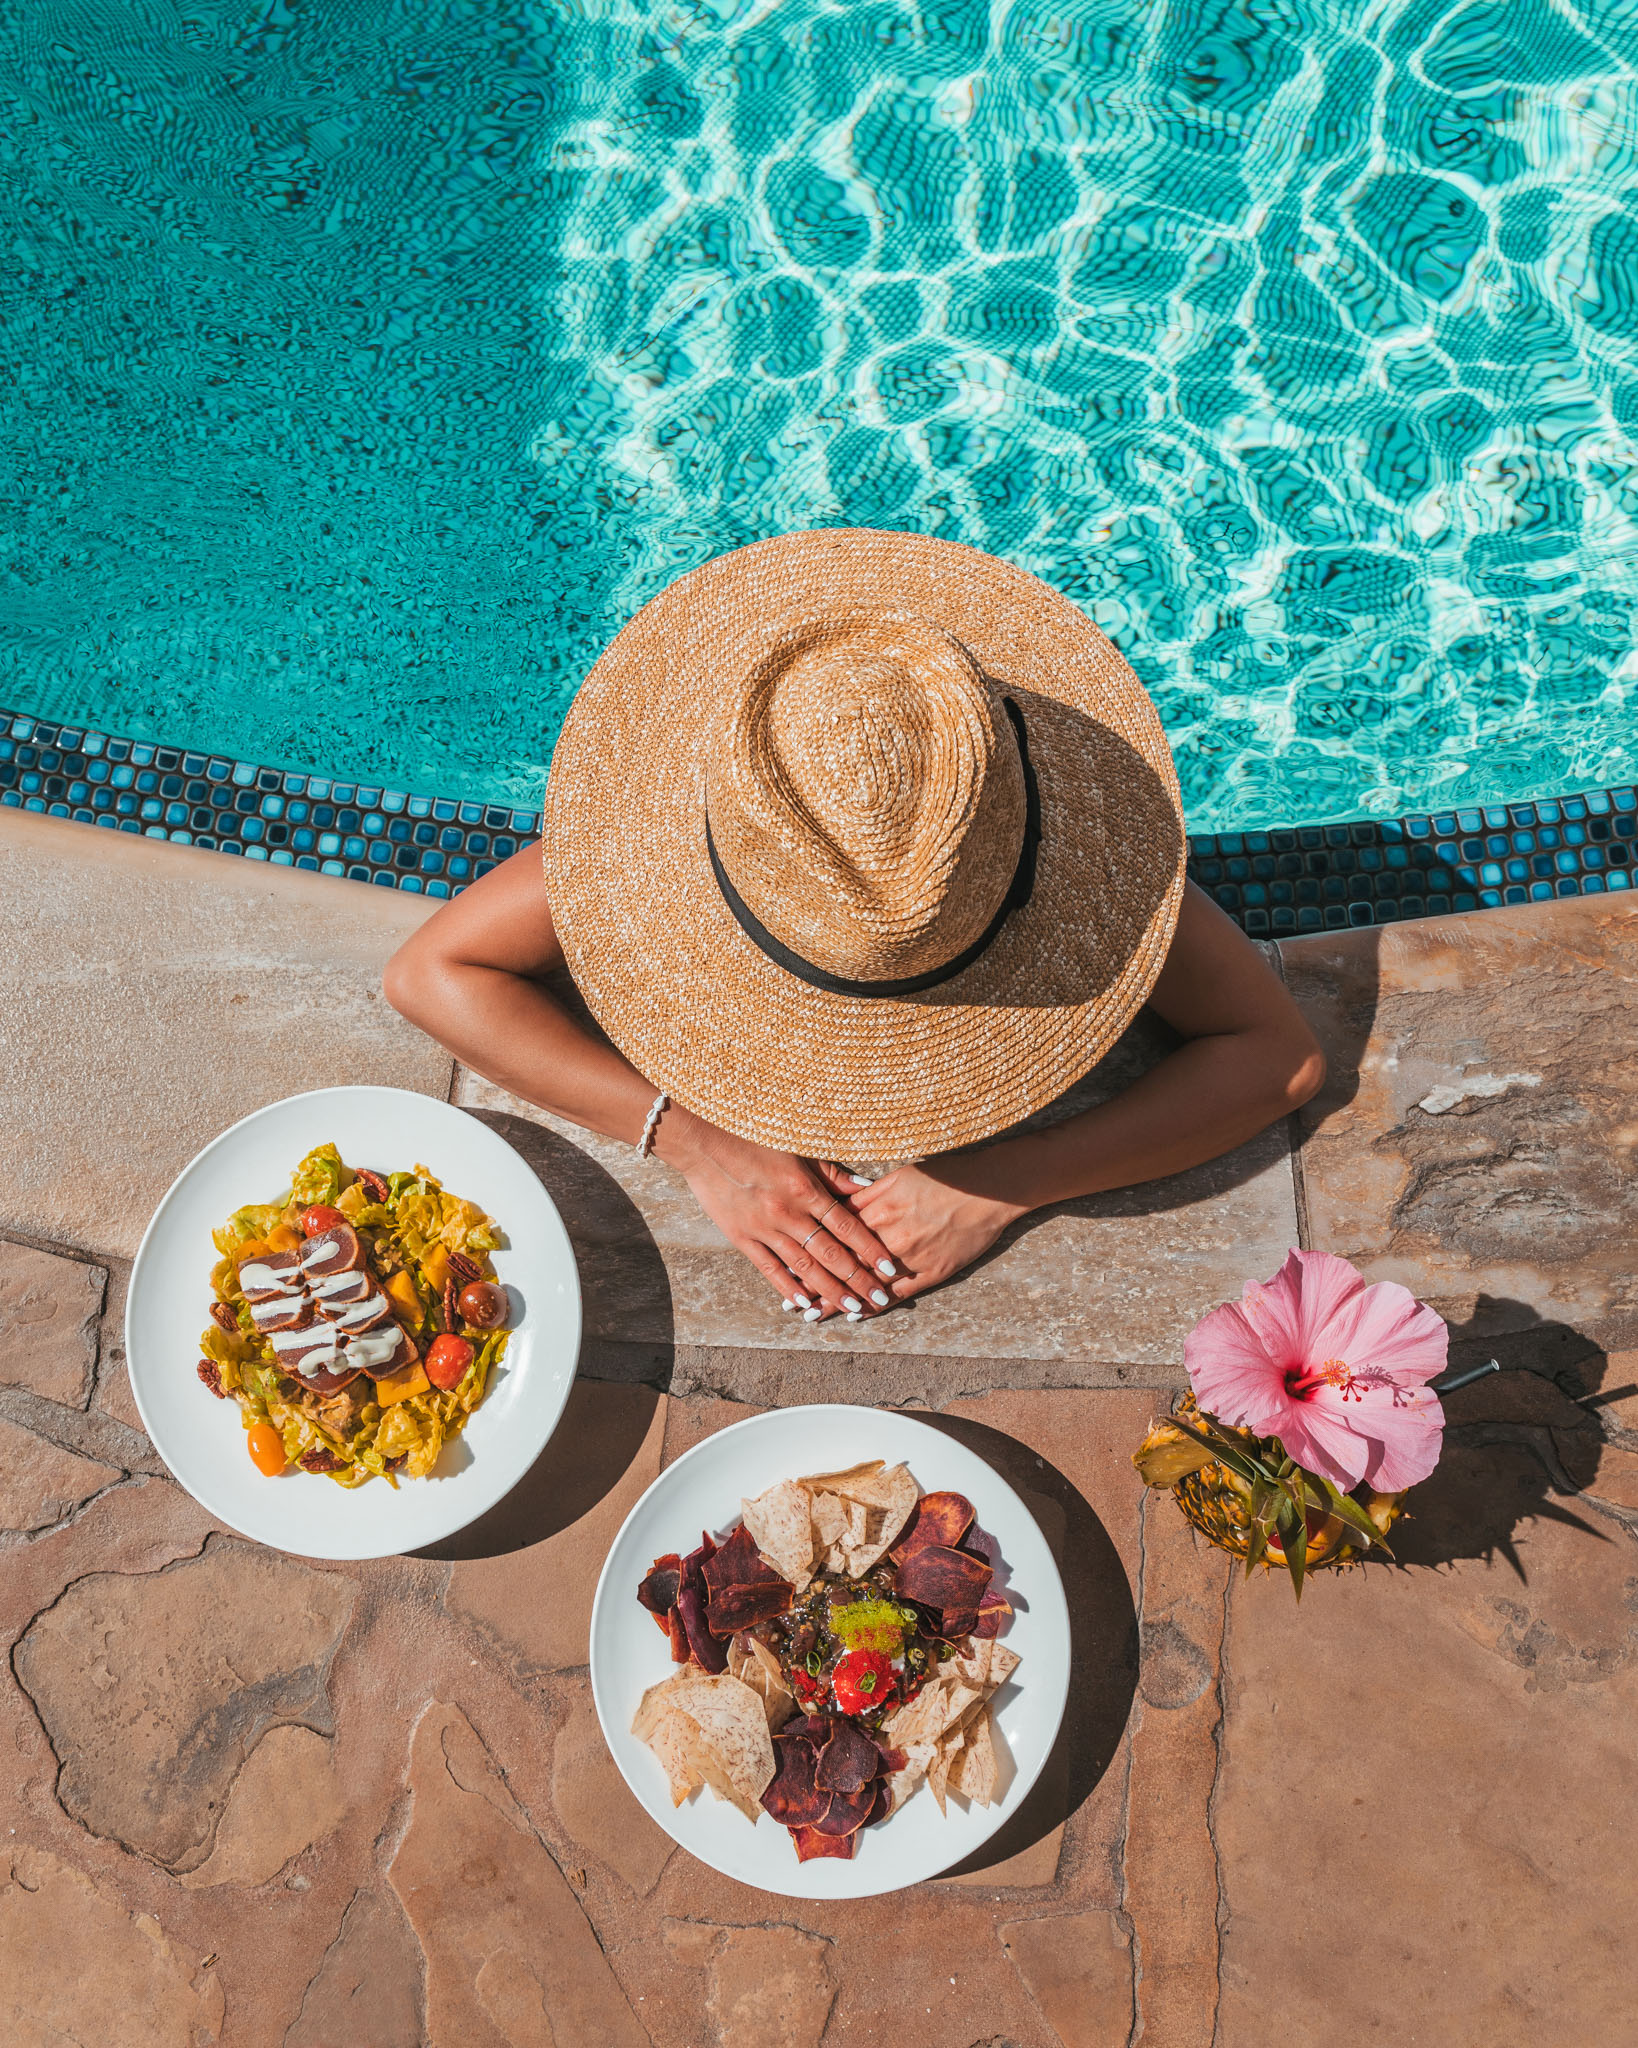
471,977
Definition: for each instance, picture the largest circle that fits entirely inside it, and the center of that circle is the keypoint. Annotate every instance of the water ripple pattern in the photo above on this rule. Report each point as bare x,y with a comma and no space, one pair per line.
377,363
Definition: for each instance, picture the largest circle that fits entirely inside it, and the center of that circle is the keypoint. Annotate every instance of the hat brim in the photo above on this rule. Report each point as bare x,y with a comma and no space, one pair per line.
704,1014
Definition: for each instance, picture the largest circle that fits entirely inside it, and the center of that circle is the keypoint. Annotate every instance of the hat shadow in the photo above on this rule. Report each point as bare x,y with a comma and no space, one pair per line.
618,1384
1103,1638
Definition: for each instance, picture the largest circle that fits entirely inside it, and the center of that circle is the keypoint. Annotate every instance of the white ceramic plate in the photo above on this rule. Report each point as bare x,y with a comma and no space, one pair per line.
203,1440
703,1490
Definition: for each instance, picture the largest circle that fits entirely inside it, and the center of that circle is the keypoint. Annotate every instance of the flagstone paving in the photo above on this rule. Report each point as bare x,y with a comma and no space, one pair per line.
261,1800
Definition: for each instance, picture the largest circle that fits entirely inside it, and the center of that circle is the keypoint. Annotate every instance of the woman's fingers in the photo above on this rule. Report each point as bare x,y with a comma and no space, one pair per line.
841,1180
874,1262
783,1282
828,1291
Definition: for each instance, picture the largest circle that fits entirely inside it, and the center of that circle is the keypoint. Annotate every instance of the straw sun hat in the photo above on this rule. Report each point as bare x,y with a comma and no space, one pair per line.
862,845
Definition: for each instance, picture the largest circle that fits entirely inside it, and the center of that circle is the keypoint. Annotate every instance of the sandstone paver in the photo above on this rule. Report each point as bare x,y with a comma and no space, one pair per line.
510,1956
154,1687
1078,1969
1443,1751
1475,1138
49,1307
150,995
77,1965
771,1987
40,1482
367,1992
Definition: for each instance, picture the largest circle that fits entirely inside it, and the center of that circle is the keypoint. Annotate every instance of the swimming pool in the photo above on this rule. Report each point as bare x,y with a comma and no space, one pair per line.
377,361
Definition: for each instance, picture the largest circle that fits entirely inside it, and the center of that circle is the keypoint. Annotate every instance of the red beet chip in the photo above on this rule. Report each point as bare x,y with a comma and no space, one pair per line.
993,1612
810,1843
658,1592
792,1796
741,1589
949,1581
847,1812
673,1625
942,1518
849,1761
691,1607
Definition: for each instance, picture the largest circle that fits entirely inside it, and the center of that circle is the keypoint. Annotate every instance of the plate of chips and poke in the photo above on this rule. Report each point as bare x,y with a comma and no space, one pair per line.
353,1322
830,1651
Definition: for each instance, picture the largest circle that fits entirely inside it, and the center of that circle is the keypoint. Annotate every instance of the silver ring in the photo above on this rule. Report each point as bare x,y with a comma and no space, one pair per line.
814,1232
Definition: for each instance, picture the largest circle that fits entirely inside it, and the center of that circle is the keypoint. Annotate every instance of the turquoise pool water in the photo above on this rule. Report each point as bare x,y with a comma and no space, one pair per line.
373,362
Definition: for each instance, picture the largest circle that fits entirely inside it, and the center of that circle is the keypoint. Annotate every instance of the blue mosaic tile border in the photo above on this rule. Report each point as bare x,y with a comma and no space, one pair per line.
1305,878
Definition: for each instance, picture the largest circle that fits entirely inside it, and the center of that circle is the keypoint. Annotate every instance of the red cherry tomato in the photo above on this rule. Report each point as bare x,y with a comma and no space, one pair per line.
863,1679
446,1361
483,1305
320,1218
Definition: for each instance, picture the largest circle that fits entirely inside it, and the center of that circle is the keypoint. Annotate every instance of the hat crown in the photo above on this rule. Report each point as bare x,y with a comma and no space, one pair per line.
867,801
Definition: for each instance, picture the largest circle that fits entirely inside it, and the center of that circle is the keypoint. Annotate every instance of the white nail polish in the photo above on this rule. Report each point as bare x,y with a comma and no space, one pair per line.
811,1315
880,1296
861,1180
854,1308
886,1268
801,1301
787,1306
856,1319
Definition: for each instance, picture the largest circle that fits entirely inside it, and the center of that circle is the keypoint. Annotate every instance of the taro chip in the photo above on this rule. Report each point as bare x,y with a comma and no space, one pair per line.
780,1520
829,1518
733,1726
976,1773
674,1739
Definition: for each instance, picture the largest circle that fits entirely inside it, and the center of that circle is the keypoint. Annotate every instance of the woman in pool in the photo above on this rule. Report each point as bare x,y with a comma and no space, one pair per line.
863,847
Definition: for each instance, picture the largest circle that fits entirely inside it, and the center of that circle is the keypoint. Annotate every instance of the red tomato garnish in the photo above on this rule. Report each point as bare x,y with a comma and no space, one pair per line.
320,1218
446,1361
863,1680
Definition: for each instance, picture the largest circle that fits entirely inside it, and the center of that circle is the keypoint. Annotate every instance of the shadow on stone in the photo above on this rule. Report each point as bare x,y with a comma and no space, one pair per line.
1518,1444
623,1285
1103,1640
600,1433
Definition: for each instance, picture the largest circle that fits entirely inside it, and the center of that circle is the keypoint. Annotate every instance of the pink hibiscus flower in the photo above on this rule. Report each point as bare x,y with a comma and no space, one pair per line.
1338,1371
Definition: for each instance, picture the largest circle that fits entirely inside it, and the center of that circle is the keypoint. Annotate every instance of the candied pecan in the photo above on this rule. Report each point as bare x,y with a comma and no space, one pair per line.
318,1459
374,1186
451,1320
211,1373
224,1318
464,1269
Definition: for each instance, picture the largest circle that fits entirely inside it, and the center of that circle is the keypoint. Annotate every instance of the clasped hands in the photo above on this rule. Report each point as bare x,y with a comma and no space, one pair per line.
828,1241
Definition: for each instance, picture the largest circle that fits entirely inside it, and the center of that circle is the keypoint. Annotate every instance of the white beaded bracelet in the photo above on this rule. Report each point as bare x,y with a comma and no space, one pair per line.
645,1144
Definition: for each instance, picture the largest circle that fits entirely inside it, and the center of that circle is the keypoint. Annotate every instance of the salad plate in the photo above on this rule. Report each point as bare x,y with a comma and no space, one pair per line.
388,1132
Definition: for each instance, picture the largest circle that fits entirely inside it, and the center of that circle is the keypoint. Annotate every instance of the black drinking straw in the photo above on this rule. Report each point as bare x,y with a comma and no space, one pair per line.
1466,1379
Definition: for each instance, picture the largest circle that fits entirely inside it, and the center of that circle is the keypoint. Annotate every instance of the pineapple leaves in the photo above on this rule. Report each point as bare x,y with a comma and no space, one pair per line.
1353,1514
1264,1510
1234,1455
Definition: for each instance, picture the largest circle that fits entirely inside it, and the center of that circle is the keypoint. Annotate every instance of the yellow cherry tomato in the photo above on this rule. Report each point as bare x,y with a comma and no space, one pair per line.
266,1448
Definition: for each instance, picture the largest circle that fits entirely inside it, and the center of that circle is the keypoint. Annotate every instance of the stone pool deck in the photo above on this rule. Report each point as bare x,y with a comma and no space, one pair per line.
259,1801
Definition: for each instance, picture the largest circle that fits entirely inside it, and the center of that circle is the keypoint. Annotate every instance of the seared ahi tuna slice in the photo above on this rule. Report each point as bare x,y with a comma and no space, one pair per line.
267,1274
305,1351
380,1351
282,1313
350,1299
336,1250
273,1285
